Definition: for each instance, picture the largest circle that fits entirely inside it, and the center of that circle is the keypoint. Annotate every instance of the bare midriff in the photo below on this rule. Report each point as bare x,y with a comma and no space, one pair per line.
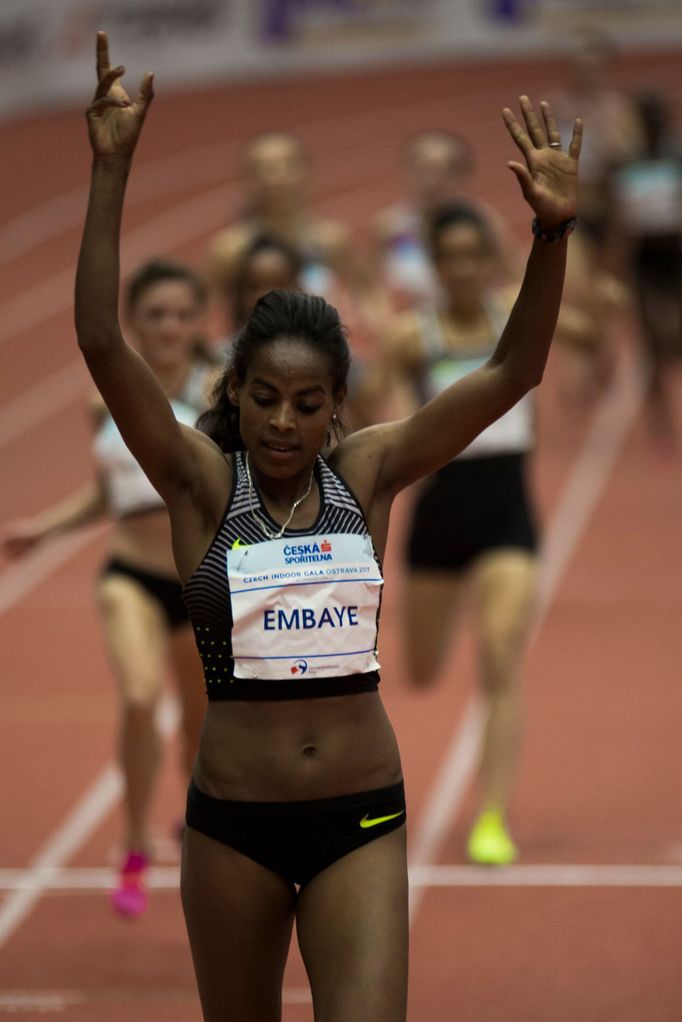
296,749
143,540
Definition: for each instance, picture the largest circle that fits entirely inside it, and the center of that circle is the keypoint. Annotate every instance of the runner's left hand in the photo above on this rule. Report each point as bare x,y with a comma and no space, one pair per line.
115,121
549,176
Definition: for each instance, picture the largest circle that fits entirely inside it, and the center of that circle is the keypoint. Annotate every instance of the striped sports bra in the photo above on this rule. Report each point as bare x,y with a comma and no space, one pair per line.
293,617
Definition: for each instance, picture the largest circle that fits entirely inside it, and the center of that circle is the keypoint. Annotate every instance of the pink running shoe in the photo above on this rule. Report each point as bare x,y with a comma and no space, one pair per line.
130,897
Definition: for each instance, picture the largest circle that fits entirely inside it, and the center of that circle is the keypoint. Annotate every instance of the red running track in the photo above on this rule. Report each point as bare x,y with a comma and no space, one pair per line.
587,926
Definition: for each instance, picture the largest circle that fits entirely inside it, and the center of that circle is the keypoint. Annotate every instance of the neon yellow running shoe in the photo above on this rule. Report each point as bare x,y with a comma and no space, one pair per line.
489,841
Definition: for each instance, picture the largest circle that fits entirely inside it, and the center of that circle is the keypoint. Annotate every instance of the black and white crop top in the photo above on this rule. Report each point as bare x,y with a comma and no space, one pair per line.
288,618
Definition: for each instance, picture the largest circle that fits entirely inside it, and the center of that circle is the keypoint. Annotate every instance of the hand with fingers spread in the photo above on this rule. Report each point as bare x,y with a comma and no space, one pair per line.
549,177
114,120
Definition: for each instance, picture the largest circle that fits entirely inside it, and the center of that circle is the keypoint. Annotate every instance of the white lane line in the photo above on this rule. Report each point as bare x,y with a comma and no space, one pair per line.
45,1002
36,304
552,875
611,423
82,820
59,878
79,823
179,224
20,578
449,787
586,482
154,180
40,1002
175,226
167,878
70,383
211,163
582,491
43,400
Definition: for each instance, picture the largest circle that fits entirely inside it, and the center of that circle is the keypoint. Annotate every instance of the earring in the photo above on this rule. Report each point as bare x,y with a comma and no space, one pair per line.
330,429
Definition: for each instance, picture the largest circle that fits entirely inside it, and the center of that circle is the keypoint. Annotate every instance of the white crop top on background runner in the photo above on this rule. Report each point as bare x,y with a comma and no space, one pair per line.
513,432
128,488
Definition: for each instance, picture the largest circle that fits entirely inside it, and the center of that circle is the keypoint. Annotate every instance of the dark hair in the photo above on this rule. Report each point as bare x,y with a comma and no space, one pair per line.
452,215
278,314
655,120
260,243
154,271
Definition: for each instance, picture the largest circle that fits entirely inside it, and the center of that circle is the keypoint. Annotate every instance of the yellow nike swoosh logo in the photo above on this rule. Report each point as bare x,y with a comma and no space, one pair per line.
238,545
366,822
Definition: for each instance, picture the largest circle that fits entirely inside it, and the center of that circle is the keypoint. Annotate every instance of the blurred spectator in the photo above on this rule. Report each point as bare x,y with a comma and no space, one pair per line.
647,236
276,177
611,133
265,264
611,128
437,165
472,532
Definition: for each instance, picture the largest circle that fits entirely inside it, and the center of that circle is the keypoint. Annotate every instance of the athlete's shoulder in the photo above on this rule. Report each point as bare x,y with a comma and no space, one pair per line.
226,247
359,458
204,443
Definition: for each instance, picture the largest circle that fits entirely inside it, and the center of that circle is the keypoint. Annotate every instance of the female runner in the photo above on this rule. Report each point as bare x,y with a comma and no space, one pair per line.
138,592
437,166
646,238
265,264
296,808
473,521
276,173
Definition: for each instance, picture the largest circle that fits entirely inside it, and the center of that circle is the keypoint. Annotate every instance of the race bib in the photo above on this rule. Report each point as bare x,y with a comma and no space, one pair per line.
304,606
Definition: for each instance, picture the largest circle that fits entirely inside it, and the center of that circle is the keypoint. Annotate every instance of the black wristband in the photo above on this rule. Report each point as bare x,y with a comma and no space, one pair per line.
562,231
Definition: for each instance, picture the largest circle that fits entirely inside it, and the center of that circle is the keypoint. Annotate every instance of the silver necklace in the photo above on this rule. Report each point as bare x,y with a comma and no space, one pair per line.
259,519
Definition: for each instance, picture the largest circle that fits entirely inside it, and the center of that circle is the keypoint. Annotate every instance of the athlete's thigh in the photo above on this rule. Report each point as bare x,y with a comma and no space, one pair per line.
431,602
239,918
352,925
505,590
136,635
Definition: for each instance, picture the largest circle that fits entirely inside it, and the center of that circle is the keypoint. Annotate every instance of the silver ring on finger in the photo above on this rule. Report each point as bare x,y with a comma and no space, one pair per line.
555,145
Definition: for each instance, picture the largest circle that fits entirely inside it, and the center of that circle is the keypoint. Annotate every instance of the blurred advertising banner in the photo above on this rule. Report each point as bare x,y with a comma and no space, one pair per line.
46,46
